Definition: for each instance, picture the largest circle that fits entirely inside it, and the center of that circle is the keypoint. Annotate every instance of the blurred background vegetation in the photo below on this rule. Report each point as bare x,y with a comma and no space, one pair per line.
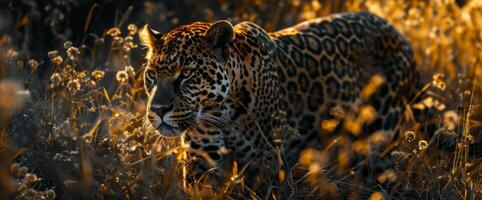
70,101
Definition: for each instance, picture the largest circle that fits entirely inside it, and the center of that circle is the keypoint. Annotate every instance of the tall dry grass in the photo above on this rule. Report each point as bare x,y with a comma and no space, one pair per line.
71,105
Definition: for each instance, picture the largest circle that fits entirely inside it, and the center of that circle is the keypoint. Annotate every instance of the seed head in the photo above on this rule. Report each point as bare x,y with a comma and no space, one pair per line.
73,85
33,64
55,80
422,145
12,55
50,194
73,53
97,74
22,171
132,28
451,119
57,60
53,54
130,70
410,136
114,32
68,44
122,76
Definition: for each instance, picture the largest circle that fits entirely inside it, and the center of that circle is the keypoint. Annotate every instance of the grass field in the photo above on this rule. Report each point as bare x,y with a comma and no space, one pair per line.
71,104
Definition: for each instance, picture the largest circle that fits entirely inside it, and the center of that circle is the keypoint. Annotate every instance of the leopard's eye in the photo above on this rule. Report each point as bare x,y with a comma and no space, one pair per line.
150,77
186,72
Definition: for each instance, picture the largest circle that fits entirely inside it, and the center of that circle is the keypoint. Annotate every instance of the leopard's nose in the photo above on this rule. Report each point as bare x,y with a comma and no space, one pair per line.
161,110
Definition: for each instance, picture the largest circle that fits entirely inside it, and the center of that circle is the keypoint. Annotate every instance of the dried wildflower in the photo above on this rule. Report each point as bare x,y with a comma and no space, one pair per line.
57,60
82,75
117,41
344,158
73,53
68,69
12,55
87,138
50,194
378,138
98,74
310,156
422,145
129,44
128,39
132,28
20,64
368,114
92,109
418,106
114,32
14,168
33,64
175,20
281,175
376,196
314,168
73,85
68,44
130,70
22,171
438,81
438,76
440,106
91,84
31,194
399,155
22,188
410,136
5,40
329,125
122,76
30,178
53,54
361,147
337,112
352,125
55,80
58,157
134,148
373,84
430,102
450,119
388,175
469,139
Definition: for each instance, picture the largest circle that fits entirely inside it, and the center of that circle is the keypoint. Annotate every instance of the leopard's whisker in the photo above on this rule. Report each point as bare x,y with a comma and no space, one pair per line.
217,121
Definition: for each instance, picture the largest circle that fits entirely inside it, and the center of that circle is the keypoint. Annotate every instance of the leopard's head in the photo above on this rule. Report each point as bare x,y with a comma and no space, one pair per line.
186,75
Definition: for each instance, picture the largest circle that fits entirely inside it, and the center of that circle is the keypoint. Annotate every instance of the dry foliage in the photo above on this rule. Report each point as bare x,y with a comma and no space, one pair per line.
71,106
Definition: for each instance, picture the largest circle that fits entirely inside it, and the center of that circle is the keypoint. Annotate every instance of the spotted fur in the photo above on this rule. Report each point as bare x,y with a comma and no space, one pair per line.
221,85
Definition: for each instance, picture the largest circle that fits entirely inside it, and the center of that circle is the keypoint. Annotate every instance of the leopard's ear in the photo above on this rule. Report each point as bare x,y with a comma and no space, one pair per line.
149,38
218,37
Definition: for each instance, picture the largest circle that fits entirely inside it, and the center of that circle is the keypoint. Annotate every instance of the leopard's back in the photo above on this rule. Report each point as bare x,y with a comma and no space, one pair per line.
326,63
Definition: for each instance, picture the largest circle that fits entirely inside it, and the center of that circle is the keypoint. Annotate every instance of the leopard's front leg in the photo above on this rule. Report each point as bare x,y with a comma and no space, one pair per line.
212,152
206,152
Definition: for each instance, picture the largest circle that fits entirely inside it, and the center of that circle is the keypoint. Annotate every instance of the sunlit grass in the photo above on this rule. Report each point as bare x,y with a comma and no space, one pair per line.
71,119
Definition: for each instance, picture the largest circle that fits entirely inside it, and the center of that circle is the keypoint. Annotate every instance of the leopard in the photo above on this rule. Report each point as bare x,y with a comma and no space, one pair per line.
224,89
